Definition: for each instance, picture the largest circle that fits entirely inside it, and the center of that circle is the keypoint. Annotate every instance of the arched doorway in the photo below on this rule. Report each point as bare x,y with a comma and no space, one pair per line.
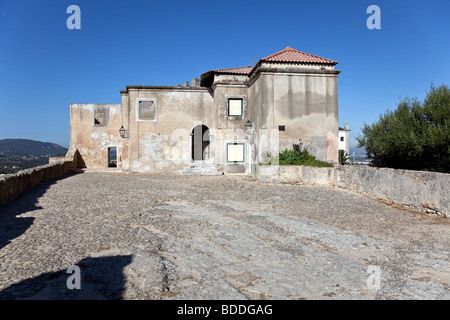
200,143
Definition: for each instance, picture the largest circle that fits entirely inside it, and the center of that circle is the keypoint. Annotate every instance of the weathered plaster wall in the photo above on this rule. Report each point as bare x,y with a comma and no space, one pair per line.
305,103
307,106
165,144
230,129
261,103
93,141
419,190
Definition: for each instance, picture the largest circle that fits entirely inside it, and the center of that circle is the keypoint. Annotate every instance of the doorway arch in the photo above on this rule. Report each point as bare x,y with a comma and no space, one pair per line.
200,146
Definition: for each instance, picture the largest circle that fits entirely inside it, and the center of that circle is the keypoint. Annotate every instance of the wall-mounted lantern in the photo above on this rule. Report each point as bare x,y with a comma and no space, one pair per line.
122,132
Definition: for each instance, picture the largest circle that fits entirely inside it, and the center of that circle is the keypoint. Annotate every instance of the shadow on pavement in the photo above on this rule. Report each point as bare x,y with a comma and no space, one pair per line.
11,224
101,278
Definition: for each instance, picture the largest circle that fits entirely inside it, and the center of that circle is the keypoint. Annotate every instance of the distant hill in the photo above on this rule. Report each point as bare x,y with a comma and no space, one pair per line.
358,155
30,147
18,154
358,150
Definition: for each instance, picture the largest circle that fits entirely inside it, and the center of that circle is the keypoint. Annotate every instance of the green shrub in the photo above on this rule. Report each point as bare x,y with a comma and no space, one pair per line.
296,157
342,156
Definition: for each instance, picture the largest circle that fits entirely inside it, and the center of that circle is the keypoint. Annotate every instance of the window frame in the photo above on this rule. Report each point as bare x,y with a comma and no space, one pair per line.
138,100
243,152
243,100
242,107
103,108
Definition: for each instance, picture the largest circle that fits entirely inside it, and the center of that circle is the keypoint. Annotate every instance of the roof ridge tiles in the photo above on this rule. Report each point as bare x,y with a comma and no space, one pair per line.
289,54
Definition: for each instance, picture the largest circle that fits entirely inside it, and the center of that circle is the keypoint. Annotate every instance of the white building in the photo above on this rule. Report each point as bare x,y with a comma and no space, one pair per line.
344,139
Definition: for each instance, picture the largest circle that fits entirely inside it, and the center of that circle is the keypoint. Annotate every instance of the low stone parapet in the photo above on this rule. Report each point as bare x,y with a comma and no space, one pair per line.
12,185
418,190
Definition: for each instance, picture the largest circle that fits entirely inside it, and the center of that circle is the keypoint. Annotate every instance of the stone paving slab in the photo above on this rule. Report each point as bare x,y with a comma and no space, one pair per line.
145,236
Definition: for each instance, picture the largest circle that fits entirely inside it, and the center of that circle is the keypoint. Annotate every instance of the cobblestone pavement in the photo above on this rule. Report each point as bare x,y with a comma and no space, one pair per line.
143,236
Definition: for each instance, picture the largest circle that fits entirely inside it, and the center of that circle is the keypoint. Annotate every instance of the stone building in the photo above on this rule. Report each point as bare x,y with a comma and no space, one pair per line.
225,122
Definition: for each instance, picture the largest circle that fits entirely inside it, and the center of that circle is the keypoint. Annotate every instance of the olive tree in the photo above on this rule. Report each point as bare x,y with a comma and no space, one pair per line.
415,136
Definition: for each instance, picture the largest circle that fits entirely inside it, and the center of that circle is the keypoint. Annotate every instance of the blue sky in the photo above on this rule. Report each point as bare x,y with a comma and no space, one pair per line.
44,66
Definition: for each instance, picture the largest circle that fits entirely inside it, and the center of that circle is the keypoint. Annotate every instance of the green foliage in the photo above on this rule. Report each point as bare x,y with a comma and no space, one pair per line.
297,157
415,136
342,156
7,171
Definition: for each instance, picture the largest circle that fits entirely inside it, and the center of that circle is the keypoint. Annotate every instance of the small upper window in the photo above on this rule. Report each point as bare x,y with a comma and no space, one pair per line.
342,138
235,107
101,116
146,109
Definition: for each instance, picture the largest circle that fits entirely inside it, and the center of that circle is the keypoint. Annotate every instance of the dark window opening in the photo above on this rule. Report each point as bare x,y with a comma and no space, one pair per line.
112,157
281,128
101,117
342,138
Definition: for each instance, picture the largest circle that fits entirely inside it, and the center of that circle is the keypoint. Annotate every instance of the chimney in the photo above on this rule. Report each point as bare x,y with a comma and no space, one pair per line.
196,82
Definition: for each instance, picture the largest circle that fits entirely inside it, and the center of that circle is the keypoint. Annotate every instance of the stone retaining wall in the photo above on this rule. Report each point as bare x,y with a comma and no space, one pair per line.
11,185
418,190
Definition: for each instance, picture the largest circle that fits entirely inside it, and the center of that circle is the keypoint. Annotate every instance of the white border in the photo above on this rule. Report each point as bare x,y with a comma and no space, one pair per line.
137,109
248,157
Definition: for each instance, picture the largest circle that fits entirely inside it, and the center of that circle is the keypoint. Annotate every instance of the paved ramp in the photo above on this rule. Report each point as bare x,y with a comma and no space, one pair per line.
142,236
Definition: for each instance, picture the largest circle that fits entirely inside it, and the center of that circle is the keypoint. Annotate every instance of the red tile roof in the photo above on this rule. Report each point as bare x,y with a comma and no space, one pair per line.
241,70
291,55
286,55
